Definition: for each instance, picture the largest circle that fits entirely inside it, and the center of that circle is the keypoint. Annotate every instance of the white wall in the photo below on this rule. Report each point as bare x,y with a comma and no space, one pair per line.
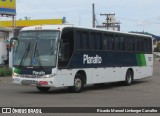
3,51
10,53
4,36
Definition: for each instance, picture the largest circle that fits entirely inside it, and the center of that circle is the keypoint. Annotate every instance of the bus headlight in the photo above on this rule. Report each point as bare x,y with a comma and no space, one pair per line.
48,76
16,74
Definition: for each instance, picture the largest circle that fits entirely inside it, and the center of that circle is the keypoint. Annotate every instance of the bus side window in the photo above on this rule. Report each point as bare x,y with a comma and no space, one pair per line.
78,43
136,44
98,41
145,44
64,52
105,42
85,40
110,42
116,42
131,44
66,47
122,43
149,44
126,43
92,41
140,44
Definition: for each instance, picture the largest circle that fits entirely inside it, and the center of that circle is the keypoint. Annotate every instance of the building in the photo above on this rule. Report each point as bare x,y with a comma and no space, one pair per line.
5,35
24,23
19,24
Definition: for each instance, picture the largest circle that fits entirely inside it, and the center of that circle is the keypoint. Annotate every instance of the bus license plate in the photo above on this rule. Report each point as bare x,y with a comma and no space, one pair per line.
29,82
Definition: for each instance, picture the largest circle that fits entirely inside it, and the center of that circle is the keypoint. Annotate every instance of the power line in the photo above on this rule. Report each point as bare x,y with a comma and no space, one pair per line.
136,20
26,11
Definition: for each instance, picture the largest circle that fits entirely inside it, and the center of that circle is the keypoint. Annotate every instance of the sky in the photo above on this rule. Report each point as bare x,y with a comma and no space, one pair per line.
134,15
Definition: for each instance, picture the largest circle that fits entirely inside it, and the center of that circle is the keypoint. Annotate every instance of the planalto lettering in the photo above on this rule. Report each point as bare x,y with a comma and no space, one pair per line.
38,73
92,59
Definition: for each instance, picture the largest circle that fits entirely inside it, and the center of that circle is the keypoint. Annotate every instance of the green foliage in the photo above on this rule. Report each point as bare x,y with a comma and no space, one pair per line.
4,71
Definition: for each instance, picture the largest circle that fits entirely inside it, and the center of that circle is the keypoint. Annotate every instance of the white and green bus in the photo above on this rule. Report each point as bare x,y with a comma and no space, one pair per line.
68,56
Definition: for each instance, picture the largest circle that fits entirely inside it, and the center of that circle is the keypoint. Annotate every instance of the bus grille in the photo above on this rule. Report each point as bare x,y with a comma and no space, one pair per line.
30,76
29,82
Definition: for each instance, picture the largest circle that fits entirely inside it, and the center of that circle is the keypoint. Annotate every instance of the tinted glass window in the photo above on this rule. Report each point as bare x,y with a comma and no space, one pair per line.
110,42
126,43
148,44
98,41
105,42
85,40
92,41
121,42
67,46
136,47
131,44
116,43
78,40
140,44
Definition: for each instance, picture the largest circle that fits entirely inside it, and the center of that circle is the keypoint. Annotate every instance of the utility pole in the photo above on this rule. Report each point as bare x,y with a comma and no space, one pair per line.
110,22
108,18
93,16
13,22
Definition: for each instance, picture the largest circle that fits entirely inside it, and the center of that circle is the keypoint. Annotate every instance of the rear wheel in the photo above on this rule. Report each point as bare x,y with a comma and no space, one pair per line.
78,84
129,78
43,89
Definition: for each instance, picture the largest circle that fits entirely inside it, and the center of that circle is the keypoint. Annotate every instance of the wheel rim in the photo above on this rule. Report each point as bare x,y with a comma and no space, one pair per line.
78,83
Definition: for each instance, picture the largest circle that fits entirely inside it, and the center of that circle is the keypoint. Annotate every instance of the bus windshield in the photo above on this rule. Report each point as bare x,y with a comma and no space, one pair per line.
36,49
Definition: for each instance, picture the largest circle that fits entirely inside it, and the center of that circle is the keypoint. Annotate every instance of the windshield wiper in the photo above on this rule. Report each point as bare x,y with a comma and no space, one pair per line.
25,53
36,52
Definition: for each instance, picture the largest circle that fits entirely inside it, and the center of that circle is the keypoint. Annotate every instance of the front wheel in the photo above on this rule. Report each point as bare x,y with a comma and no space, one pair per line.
78,84
43,89
129,78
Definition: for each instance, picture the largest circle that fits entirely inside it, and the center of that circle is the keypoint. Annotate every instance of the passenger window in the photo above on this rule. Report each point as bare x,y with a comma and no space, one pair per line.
116,42
98,41
105,42
121,43
85,40
92,41
78,40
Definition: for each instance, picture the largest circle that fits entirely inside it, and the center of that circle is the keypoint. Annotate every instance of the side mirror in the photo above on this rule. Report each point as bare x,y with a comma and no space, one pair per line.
13,42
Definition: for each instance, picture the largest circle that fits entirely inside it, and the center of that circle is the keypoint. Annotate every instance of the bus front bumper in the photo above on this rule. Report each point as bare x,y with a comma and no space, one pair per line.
38,82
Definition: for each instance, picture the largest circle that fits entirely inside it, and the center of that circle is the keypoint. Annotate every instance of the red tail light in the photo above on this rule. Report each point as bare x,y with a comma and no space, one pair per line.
43,82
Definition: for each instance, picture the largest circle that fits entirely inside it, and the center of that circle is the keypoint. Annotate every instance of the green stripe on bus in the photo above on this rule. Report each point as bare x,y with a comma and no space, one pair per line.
138,59
141,60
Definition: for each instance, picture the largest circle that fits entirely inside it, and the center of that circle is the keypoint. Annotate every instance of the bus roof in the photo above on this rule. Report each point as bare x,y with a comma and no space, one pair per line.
61,27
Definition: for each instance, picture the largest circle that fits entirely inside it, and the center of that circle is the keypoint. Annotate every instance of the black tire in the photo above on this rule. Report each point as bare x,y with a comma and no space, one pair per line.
78,84
100,84
129,78
43,89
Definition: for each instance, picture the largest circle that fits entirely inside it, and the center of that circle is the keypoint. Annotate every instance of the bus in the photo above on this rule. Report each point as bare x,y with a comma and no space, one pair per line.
49,56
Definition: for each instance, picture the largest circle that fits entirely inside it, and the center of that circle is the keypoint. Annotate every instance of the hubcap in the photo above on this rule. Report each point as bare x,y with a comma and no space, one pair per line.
78,83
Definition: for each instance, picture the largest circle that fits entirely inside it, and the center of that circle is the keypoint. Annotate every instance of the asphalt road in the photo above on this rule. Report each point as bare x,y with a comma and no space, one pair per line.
144,92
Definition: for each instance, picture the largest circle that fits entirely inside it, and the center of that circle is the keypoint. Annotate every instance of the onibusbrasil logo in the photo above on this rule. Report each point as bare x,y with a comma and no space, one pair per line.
21,110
